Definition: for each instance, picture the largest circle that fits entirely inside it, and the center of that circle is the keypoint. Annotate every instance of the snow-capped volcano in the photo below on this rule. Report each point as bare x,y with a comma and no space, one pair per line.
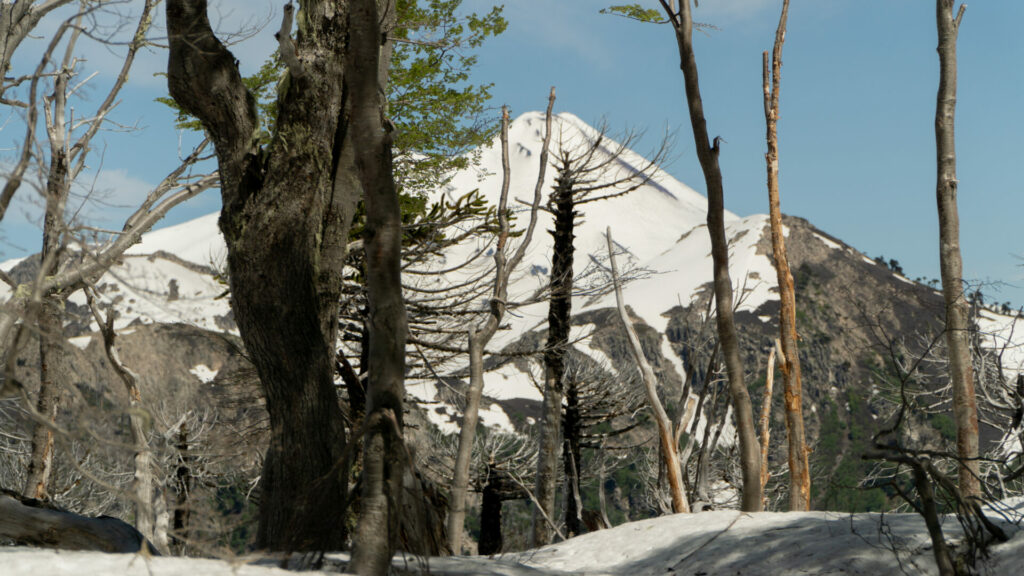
660,224
171,276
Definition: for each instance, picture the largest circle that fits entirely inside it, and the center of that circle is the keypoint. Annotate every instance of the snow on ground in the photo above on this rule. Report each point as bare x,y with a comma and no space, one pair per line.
494,417
204,373
199,241
721,543
1002,333
36,562
154,289
508,382
828,242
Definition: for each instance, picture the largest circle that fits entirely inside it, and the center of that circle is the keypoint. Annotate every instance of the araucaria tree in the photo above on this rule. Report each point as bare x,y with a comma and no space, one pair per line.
961,378
287,208
588,171
789,361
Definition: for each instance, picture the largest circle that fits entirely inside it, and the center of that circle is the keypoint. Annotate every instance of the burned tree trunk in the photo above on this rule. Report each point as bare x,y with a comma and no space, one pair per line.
961,377
789,360
559,310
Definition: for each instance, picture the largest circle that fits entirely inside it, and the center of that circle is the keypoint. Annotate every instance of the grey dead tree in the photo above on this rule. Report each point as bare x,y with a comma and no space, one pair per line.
480,334
52,86
965,408
666,430
789,357
287,209
66,160
18,20
681,20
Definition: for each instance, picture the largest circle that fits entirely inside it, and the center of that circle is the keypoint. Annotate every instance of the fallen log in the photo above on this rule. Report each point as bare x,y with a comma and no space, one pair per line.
32,522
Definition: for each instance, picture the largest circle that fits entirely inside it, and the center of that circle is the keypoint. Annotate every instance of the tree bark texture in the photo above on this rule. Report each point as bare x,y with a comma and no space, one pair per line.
799,471
765,421
385,455
555,350
572,426
52,362
285,219
750,460
961,378
184,483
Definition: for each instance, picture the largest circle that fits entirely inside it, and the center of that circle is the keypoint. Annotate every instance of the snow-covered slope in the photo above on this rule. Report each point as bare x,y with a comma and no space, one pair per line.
724,543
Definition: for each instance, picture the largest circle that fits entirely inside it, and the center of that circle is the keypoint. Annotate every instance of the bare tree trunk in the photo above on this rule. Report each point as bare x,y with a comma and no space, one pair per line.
52,365
669,450
184,483
750,460
143,493
480,336
799,471
51,358
965,408
385,456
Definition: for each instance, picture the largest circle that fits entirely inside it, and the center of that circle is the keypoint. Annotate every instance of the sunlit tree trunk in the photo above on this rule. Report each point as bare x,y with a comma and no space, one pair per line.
961,378
707,154
799,471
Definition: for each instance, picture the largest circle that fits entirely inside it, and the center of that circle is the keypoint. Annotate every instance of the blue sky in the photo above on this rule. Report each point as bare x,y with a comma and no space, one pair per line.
856,134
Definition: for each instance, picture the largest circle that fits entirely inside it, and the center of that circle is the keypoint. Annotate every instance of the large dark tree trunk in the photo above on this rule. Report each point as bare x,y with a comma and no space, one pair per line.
285,218
554,356
750,459
961,377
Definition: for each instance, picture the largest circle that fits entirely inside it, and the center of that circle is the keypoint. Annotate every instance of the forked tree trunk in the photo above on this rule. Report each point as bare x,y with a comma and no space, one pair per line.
49,311
285,219
961,378
750,458
799,471
480,336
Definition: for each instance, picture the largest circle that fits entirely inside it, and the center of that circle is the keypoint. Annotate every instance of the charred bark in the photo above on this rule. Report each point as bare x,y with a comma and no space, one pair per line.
30,522
559,310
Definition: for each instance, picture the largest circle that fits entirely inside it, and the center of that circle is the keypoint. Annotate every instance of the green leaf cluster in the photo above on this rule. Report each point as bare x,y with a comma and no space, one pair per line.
636,12
439,114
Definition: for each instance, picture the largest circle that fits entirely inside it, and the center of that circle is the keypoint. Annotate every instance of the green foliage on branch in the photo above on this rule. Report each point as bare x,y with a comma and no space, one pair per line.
636,12
438,114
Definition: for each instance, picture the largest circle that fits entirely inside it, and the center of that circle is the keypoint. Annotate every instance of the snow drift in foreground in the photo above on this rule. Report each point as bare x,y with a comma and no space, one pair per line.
712,543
